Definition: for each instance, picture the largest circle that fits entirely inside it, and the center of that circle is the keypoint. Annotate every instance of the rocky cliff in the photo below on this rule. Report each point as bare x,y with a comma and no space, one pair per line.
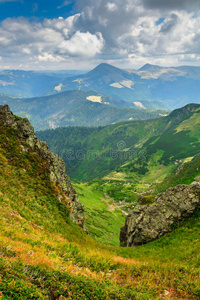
56,166
149,222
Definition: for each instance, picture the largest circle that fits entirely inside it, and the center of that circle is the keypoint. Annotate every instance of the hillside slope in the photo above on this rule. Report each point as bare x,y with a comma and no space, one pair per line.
134,148
20,83
173,87
43,255
48,166
76,108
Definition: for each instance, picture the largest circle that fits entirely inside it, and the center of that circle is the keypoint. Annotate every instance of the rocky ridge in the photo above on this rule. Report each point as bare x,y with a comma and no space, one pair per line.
149,222
56,165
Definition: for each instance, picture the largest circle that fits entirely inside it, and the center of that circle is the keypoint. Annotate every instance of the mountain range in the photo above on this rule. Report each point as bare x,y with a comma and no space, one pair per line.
141,153
168,87
45,255
26,84
150,87
118,164
76,108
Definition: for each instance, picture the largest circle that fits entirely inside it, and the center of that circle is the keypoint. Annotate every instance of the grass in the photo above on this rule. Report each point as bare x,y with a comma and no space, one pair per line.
43,255
35,264
103,217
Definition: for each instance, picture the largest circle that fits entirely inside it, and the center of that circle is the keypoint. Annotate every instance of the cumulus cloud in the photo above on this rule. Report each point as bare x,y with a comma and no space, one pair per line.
169,24
132,31
49,57
51,41
136,29
83,43
111,6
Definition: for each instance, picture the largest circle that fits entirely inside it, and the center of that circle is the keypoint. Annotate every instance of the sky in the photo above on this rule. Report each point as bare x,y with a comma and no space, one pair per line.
80,34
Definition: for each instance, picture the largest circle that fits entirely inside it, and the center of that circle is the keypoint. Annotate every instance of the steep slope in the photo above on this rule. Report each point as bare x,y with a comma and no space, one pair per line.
141,145
52,167
43,255
102,217
163,87
75,108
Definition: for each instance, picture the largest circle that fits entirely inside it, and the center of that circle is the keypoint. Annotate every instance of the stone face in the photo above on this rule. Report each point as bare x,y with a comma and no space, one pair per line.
149,222
56,165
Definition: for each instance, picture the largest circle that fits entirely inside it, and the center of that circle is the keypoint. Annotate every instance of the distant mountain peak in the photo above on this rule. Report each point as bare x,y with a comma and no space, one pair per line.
104,68
149,67
104,65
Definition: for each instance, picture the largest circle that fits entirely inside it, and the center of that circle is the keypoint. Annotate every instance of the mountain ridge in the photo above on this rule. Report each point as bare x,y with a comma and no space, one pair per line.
56,166
83,108
136,136
43,255
174,86
171,86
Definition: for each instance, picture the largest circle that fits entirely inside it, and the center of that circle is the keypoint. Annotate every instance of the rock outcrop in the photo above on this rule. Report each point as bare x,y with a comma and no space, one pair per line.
56,165
149,222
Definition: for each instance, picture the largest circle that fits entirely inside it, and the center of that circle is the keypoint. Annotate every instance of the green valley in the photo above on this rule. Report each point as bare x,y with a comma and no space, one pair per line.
122,162
100,150
43,255
149,149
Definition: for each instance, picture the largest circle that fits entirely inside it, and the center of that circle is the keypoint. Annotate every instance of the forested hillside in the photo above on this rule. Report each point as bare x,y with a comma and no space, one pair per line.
134,149
76,108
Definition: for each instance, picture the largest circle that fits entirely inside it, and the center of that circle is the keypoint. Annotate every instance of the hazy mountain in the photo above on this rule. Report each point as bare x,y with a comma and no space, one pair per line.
172,87
29,83
76,108
151,87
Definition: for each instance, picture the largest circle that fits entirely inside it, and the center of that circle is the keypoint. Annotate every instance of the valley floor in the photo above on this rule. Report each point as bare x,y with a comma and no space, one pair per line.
44,256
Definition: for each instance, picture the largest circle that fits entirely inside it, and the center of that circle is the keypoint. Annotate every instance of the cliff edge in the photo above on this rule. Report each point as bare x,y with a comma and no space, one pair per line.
56,165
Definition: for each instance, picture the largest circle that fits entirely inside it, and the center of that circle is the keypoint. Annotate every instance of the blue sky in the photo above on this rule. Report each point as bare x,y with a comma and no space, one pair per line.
80,34
40,9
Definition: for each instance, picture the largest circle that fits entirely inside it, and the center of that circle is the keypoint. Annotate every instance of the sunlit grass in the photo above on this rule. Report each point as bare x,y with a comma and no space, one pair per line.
43,255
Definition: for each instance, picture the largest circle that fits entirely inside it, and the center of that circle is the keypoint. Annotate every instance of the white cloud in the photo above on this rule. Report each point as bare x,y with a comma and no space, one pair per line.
65,3
83,43
49,57
50,42
119,32
112,6
26,50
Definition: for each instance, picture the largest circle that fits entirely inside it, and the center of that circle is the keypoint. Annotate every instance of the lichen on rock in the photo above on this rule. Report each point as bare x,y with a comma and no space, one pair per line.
149,222
56,165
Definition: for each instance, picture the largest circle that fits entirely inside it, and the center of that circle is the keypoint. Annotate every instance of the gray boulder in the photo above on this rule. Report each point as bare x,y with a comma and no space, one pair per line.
149,222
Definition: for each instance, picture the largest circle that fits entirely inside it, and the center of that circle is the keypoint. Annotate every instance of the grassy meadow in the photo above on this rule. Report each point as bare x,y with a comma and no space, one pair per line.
44,256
